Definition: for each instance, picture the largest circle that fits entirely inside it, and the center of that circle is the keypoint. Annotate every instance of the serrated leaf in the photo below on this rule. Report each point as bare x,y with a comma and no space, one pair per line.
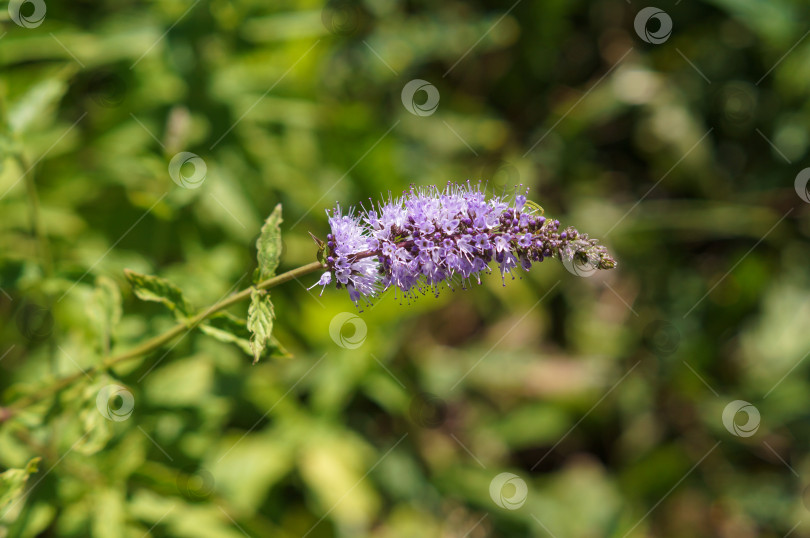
12,481
156,289
260,322
97,429
105,309
269,245
97,432
226,327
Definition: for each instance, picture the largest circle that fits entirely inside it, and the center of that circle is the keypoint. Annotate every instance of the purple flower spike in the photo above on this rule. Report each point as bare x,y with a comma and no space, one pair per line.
430,237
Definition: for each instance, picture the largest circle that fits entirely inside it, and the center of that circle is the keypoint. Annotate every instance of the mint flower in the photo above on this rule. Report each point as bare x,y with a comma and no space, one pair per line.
429,237
349,247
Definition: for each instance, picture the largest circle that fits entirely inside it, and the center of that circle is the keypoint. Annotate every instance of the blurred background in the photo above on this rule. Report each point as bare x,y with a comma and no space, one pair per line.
667,397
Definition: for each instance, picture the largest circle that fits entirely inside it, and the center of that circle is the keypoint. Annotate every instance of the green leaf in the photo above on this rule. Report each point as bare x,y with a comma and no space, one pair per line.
245,468
105,309
13,481
97,431
228,328
345,457
269,245
109,513
160,290
260,322
37,104
181,383
96,427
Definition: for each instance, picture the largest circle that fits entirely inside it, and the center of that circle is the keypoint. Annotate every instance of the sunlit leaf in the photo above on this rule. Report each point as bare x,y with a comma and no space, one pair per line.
12,481
105,309
37,103
96,427
183,382
269,245
156,289
260,322
109,513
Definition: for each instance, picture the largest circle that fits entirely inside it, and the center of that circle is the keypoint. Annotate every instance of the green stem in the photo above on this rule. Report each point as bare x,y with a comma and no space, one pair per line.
37,228
155,342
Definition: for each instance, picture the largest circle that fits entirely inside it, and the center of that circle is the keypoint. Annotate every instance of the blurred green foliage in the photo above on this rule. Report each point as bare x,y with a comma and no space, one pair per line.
605,395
